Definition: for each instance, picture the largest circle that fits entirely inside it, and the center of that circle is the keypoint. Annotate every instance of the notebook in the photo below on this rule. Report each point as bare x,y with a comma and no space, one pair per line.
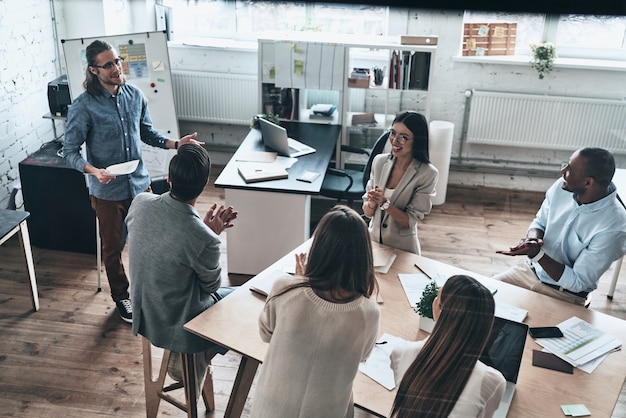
504,352
275,137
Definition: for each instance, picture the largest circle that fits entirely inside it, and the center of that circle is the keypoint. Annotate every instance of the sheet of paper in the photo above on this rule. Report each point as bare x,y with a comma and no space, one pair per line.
578,410
506,311
123,168
415,283
378,364
256,156
581,343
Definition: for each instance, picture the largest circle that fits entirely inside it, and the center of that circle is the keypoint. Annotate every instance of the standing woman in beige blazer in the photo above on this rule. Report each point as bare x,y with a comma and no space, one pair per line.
401,185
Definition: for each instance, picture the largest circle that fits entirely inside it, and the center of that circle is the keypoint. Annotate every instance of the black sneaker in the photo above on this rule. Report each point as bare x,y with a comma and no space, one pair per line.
125,309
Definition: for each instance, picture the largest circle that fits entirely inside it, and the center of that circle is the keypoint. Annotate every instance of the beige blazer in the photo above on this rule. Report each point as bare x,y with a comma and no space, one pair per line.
413,195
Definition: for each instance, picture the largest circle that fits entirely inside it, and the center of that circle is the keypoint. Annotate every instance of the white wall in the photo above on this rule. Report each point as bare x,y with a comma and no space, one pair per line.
449,82
27,64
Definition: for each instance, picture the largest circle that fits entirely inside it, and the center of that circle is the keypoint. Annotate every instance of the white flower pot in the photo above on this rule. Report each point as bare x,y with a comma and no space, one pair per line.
427,324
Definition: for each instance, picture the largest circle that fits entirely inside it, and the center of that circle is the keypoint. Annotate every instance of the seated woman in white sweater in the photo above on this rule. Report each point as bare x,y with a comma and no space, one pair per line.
320,325
441,376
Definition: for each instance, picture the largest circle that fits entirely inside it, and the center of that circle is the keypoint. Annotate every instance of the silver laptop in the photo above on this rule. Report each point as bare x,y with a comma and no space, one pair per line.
275,137
504,352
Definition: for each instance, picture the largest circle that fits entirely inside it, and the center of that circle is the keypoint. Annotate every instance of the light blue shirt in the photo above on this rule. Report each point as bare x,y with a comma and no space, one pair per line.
112,127
585,238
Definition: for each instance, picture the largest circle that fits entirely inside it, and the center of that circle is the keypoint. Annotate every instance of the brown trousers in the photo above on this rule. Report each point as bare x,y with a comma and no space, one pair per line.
111,215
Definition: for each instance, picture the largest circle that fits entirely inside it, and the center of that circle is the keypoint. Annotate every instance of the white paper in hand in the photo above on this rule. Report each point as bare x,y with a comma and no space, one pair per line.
123,168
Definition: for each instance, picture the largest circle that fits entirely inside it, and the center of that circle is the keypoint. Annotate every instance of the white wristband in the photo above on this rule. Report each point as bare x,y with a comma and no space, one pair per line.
538,257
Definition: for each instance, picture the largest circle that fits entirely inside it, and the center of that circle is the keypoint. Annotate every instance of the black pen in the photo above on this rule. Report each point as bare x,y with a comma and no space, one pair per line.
422,270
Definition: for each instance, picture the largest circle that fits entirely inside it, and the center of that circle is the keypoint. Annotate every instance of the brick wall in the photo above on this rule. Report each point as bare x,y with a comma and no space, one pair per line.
27,64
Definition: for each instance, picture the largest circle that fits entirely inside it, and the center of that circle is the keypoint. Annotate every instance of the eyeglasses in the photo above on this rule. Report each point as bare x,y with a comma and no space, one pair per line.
399,138
110,64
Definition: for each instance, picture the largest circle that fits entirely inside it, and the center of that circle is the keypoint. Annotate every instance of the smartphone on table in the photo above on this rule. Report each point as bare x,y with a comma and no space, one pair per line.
545,332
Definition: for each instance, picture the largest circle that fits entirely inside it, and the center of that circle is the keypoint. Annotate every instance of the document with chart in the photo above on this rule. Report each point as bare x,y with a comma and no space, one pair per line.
581,342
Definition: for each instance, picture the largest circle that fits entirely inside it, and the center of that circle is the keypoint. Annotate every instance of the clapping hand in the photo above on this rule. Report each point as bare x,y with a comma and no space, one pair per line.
526,246
300,264
220,219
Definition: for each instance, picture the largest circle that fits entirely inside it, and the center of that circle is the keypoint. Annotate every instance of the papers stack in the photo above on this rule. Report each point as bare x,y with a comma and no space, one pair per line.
323,110
581,345
383,259
253,171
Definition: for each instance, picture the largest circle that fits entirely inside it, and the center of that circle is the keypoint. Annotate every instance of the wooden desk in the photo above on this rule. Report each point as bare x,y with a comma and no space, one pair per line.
233,323
12,222
274,216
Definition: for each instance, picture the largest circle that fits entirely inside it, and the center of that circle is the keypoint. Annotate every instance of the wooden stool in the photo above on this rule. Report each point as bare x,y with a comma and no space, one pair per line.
156,389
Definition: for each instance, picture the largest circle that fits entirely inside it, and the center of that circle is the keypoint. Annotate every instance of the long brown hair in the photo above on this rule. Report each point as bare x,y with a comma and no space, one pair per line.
340,256
434,381
91,82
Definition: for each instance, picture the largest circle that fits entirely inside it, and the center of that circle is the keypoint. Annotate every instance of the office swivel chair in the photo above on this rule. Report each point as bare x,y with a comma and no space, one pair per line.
347,184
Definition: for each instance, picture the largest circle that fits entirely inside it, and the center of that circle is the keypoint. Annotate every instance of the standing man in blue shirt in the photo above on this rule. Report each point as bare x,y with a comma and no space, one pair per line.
112,118
577,233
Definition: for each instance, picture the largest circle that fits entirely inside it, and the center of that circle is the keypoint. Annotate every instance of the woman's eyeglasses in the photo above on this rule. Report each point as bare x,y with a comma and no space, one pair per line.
110,64
399,138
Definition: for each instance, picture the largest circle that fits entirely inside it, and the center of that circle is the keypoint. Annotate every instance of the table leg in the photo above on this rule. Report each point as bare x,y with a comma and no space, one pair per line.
28,255
241,387
618,267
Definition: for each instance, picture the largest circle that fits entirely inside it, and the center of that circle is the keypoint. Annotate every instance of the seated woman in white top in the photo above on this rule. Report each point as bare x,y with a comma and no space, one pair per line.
442,376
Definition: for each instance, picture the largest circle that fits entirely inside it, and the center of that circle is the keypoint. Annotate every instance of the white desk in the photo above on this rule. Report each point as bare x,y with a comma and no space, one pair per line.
274,216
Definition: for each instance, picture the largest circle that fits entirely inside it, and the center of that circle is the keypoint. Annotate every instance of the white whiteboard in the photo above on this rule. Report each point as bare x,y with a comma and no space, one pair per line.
147,66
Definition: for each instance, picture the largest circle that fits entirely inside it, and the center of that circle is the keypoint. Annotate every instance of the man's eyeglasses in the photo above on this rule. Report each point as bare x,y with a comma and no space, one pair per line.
110,64
399,138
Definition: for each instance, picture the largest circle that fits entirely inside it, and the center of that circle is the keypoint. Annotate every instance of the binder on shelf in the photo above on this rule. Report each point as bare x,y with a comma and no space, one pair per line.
420,67
254,171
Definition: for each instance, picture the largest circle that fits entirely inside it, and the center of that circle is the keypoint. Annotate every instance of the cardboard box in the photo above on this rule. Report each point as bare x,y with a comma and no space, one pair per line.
359,82
418,40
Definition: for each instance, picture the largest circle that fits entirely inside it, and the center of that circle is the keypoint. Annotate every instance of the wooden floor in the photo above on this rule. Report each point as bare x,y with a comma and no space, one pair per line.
76,358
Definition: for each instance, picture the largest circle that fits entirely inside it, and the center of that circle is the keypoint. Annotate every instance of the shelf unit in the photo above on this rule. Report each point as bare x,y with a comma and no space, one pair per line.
297,71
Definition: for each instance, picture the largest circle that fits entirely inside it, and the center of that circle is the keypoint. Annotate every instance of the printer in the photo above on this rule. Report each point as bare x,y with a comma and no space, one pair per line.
59,96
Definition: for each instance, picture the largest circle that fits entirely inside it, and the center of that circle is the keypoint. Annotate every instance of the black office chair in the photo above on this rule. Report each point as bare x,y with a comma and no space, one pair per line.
347,184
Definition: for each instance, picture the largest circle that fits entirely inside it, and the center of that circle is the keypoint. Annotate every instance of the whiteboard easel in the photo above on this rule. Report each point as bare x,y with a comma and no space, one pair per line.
147,66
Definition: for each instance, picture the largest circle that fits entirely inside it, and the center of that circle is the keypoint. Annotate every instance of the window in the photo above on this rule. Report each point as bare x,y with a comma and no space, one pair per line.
244,20
575,36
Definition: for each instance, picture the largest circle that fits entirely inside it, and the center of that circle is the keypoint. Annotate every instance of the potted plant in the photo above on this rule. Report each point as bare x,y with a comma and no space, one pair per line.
254,123
543,55
425,306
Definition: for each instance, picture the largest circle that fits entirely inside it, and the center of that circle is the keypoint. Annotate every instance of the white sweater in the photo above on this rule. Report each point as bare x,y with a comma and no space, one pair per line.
314,352
481,395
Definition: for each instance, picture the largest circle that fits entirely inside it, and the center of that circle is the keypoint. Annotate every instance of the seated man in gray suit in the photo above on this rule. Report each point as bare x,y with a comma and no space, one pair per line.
577,233
174,259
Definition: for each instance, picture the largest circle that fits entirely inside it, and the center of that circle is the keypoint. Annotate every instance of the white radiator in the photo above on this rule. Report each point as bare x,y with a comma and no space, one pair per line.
546,122
215,97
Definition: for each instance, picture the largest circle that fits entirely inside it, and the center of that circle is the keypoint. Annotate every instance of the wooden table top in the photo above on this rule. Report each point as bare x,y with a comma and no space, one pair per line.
233,323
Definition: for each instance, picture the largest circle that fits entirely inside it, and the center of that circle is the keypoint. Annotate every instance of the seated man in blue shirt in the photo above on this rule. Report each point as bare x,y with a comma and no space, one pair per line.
577,233
112,119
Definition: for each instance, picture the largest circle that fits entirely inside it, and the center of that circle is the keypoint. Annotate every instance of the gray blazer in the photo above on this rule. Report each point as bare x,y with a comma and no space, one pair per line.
413,195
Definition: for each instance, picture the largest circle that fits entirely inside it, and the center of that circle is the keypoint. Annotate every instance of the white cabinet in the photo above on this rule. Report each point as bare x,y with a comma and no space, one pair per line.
369,79
399,80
